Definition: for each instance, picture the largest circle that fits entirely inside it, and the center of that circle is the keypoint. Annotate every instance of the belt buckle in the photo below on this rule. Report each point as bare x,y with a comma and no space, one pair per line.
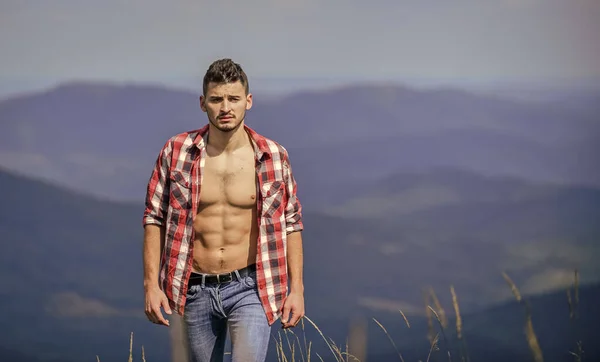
224,278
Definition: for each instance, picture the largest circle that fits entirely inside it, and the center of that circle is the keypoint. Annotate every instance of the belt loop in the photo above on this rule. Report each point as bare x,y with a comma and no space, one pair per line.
203,279
237,274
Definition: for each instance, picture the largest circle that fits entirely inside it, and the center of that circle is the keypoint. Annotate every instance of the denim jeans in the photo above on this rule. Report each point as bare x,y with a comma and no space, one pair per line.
213,309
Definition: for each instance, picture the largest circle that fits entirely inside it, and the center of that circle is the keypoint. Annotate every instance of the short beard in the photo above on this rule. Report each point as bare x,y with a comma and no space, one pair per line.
225,130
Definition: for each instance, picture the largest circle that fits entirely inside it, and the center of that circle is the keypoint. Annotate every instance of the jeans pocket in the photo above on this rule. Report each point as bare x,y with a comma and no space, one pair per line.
192,293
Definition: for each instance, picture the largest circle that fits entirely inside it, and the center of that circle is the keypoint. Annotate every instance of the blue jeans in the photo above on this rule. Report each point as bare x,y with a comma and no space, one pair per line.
213,309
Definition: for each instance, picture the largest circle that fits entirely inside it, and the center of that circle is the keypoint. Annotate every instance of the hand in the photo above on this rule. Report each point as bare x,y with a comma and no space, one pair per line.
155,299
294,305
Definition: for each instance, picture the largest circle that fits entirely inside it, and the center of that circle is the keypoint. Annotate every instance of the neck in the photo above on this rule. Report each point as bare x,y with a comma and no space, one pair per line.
227,141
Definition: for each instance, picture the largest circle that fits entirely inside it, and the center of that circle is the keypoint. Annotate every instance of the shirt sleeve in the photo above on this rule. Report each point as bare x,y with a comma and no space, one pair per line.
293,208
157,192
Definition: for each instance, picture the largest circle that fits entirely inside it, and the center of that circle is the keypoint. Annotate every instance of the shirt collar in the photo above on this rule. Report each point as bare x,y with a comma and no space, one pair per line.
261,148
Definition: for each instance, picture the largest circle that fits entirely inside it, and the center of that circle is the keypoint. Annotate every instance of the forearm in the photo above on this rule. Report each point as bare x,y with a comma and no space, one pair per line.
153,239
295,262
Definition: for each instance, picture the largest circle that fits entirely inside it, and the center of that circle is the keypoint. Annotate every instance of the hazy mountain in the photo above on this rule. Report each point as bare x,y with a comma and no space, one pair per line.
497,333
104,138
71,271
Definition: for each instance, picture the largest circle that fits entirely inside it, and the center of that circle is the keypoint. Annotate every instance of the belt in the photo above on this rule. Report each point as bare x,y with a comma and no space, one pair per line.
196,278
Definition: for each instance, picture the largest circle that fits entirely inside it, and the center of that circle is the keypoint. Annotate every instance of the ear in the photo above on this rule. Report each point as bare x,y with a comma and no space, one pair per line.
249,101
203,103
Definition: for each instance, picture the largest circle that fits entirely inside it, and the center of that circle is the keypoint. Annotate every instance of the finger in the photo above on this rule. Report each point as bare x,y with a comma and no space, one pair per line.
299,319
294,321
165,305
292,315
286,314
159,316
149,315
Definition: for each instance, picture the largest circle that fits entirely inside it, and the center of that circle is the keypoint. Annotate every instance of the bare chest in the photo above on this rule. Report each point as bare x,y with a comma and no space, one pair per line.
229,179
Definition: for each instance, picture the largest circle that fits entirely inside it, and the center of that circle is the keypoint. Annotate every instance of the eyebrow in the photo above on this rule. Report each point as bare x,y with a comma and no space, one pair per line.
221,97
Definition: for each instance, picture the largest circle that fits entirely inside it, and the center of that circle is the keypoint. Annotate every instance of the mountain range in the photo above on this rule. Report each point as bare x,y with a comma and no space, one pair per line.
403,190
104,138
71,276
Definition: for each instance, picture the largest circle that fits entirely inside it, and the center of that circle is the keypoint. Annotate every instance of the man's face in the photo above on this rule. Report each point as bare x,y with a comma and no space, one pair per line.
226,105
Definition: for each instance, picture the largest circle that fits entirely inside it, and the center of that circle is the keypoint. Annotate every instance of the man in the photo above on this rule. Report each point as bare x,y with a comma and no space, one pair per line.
223,222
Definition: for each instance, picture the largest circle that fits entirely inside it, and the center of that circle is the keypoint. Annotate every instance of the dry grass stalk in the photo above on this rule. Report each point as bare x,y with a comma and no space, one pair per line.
579,352
305,355
284,357
143,355
457,312
390,338
440,311
346,349
443,332
513,287
306,348
131,348
405,319
321,358
349,355
464,351
570,302
433,346
532,340
277,349
290,345
338,353
321,333
574,314
430,335
299,345
97,358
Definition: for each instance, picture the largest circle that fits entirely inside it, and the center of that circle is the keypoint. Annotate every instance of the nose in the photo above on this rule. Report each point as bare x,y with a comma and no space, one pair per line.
225,106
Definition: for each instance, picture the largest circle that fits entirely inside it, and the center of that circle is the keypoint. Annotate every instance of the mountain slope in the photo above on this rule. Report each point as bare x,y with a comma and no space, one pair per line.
76,260
105,138
497,333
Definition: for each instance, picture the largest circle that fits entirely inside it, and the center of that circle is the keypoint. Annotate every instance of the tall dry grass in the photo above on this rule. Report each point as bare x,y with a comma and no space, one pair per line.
532,339
435,310
290,347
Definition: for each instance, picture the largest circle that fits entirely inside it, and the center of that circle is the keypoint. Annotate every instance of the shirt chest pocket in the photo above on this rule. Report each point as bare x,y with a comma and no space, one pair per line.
180,189
273,196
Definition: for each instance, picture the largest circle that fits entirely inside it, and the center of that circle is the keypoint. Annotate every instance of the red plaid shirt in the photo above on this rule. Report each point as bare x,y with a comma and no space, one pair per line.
172,200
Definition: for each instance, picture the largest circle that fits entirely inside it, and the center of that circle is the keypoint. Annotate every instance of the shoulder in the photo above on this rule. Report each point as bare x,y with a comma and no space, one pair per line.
182,139
268,145
277,148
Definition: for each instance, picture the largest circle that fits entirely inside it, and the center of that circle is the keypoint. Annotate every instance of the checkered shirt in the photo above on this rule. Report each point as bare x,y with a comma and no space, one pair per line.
172,199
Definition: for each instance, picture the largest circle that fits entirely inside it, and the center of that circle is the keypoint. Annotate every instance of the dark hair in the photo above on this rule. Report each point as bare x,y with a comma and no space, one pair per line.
225,71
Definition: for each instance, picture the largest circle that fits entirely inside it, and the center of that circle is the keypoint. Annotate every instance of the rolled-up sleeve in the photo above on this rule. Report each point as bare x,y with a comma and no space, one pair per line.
157,191
293,208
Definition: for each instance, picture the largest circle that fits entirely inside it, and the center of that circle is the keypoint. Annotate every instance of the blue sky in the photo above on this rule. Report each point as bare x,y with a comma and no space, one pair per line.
152,40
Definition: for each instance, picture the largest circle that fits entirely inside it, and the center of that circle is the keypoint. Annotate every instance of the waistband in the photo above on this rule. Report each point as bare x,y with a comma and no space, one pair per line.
200,278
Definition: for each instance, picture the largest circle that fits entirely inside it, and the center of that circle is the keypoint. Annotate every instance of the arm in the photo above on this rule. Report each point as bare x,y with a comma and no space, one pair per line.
295,262
157,201
294,303
154,236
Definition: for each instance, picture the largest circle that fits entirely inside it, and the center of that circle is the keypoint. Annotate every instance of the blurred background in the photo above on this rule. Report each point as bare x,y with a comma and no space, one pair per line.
436,144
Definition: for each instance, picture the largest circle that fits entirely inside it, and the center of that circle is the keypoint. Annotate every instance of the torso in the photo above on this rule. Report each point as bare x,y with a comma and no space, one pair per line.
225,226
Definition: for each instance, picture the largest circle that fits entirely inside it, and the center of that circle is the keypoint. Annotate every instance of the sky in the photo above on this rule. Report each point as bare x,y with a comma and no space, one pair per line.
152,40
